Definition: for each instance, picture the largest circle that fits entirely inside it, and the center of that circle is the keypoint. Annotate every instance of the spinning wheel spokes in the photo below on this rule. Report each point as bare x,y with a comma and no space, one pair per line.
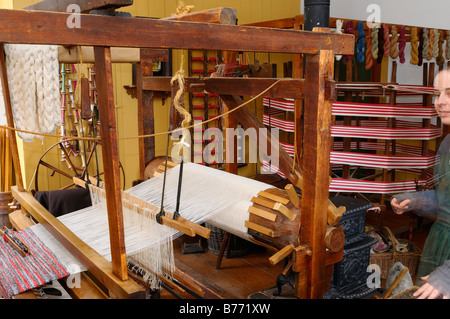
74,171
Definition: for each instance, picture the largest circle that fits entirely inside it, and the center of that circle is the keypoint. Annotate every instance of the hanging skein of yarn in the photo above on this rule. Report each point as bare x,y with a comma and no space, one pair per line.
440,60
338,31
393,45
374,43
380,44
387,43
414,47
360,48
349,30
33,80
430,45
369,60
420,49
402,45
425,43
435,48
447,48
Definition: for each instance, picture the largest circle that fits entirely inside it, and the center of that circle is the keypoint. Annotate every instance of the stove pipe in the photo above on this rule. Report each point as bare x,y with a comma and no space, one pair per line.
316,14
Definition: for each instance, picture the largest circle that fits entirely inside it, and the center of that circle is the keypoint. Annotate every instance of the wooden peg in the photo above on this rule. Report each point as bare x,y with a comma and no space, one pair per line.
334,213
281,254
286,212
293,196
274,205
262,213
273,197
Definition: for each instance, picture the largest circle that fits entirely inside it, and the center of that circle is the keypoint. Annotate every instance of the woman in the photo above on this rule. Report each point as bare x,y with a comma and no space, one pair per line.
434,267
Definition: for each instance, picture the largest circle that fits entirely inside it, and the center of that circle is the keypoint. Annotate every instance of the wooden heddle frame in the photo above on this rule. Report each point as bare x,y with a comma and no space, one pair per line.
105,32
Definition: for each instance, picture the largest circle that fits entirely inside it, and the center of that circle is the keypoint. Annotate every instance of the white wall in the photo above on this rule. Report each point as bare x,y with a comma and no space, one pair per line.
420,13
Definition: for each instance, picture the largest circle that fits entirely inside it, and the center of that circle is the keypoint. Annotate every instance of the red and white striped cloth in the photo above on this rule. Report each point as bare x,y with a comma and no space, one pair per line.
382,110
386,133
39,266
340,185
406,110
382,161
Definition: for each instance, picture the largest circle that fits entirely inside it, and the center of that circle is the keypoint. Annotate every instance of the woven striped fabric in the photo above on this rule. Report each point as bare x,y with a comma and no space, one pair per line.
376,187
284,125
39,266
382,110
405,110
340,185
382,161
386,133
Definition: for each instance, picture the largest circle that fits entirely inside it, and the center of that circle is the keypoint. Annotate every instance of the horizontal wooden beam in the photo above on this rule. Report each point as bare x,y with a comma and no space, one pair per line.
291,88
39,27
94,262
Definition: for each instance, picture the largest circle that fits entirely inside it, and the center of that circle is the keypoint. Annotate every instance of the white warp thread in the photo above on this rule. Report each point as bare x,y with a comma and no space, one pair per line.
222,199
33,79
217,197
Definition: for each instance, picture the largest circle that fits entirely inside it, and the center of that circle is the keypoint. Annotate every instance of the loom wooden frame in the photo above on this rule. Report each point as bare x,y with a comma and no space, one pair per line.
103,32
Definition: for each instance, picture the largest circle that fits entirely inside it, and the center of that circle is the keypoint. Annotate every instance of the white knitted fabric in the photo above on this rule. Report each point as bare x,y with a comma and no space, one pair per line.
2,107
33,76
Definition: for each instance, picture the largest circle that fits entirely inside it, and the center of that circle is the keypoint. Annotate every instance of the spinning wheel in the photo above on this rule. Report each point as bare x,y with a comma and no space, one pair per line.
74,170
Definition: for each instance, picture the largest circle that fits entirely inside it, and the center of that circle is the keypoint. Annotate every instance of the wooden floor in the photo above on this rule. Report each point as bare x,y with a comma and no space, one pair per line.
240,277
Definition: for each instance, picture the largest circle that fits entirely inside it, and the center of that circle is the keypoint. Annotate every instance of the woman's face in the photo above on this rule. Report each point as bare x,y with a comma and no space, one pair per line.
442,99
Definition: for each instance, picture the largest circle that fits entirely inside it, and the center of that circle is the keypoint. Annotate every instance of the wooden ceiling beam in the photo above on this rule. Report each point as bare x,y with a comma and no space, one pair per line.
39,27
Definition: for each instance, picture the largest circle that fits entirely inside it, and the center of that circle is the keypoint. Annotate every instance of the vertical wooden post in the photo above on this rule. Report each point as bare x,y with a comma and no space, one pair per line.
146,123
10,120
316,163
297,72
105,92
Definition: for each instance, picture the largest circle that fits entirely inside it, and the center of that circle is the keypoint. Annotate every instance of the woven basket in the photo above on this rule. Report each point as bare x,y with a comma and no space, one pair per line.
385,260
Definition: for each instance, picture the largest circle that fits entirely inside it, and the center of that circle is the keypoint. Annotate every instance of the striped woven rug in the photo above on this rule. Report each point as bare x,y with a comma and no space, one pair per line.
39,266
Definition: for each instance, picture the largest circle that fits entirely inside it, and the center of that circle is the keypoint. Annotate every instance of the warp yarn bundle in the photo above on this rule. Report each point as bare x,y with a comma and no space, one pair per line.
33,78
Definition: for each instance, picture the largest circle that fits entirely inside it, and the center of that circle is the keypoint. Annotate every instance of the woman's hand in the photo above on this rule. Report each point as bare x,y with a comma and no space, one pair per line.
427,291
400,208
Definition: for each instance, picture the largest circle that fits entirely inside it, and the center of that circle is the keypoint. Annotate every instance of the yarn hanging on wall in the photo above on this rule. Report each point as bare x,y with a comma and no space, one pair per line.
414,47
360,47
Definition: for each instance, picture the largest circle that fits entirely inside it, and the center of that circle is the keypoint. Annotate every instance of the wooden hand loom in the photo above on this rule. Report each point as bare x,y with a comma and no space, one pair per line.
21,26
